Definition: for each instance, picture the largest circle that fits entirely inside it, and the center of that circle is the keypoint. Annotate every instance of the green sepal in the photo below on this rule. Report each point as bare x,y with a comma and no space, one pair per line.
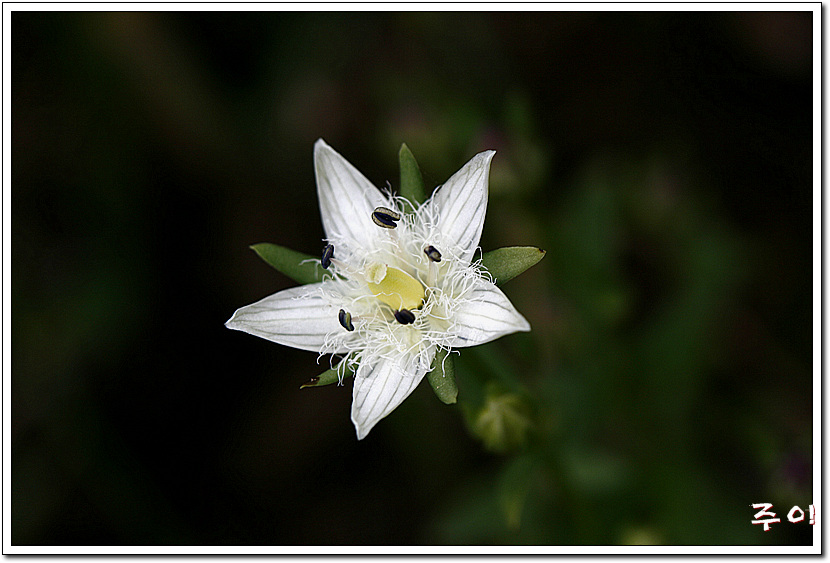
300,267
327,378
442,377
412,183
506,263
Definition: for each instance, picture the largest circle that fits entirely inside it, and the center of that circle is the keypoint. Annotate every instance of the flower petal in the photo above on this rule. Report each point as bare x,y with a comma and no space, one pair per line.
486,314
380,388
347,200
462,203
296,317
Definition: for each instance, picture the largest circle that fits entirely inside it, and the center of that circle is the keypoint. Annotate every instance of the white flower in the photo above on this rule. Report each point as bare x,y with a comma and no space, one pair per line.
403,285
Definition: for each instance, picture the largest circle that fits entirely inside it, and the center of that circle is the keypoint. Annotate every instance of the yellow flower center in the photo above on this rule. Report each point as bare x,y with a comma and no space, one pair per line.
394,287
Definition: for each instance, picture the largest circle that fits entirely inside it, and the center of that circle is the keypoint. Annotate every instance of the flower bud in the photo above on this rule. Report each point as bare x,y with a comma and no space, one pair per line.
504,422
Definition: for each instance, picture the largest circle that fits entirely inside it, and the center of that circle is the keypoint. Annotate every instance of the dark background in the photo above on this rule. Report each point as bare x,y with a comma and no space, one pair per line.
663,161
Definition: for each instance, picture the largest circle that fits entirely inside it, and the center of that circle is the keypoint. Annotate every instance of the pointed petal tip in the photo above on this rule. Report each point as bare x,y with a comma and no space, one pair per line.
230,322
362,430
483,158
321,147
235,324
522,324
380,387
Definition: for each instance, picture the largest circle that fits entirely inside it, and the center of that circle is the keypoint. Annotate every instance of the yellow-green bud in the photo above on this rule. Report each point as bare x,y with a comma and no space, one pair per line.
503,422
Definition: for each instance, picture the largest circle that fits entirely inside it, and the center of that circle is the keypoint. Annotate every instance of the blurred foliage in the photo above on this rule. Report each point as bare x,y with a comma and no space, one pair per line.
663,161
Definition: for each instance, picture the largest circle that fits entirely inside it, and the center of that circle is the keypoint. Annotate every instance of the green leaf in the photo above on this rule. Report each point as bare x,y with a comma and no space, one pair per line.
412,183
442,377
506,263
327,378
302,268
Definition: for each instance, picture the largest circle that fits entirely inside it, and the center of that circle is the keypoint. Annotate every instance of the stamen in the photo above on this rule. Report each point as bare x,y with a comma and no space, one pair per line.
434,257
432,253
385,217
345,320
328,254
405,316
343,268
